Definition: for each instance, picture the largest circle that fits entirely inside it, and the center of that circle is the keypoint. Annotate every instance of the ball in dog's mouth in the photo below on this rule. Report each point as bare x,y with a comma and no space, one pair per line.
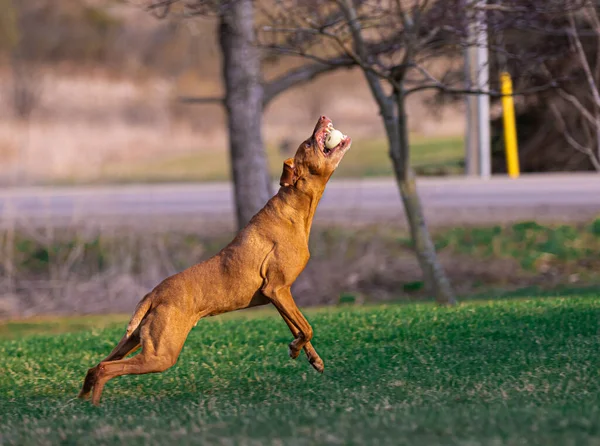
333,138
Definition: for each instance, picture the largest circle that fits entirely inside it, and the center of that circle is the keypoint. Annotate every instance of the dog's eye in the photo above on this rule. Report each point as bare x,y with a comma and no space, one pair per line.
308,145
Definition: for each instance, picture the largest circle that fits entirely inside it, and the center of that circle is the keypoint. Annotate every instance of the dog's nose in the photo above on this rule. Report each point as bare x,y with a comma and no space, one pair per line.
323,120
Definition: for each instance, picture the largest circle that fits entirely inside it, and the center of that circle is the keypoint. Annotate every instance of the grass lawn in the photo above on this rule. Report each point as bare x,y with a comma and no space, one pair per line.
517,371
365,159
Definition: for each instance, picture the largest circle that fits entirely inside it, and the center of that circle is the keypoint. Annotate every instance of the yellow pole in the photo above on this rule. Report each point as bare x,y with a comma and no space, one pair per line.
510,129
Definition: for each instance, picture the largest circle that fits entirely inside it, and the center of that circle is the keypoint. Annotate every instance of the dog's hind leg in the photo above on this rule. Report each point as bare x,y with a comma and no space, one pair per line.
313,357
138,365
127,345
162,336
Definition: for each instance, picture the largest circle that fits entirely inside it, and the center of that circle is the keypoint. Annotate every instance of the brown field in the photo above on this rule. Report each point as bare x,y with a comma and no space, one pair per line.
86,124
91,120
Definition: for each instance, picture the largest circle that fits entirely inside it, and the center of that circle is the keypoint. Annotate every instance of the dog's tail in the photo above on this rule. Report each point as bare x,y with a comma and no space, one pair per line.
140,312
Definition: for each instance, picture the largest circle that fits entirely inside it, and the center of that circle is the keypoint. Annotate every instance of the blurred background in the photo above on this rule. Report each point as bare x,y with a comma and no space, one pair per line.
116,163
91,96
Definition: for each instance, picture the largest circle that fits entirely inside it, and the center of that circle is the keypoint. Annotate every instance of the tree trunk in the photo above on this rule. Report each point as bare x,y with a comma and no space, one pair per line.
243,104
433,273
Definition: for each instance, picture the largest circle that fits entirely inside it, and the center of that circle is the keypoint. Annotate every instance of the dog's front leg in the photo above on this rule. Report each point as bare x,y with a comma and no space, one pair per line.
313,357
284,302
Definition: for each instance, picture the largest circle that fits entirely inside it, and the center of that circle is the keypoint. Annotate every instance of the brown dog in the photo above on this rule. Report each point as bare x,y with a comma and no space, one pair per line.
257,267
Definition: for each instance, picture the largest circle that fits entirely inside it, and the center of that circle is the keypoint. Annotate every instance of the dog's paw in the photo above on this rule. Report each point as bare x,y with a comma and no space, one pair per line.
292,352
88,384
317,364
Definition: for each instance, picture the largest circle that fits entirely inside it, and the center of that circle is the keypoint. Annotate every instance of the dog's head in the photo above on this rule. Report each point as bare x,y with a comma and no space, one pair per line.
313,159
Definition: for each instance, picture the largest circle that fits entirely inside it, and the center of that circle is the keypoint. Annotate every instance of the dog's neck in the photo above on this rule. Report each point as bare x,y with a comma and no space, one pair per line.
300,201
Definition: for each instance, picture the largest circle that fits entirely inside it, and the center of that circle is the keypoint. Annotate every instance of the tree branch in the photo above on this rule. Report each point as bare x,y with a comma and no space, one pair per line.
291,23
154,7
572,141
500,8
301,75
200,100
474,91
282,83
577,104
574,37
351,56
373,79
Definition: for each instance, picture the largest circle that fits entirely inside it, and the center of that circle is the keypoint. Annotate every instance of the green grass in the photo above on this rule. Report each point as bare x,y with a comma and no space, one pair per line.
56,325
531,243
365,159
505,372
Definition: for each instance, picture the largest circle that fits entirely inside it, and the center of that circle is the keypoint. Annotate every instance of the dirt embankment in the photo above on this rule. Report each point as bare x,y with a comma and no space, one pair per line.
87,269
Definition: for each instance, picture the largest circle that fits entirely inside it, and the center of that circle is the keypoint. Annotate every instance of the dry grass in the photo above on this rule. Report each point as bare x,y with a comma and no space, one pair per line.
93,127
442,155
99,114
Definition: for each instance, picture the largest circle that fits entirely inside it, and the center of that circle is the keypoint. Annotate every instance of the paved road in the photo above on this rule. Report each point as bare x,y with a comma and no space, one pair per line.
446,200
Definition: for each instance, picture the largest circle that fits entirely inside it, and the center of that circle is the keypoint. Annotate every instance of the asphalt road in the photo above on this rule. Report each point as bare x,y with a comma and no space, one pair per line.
446,201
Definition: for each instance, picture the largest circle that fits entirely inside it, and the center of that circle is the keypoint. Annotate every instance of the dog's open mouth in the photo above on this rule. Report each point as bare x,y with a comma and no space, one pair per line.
322,136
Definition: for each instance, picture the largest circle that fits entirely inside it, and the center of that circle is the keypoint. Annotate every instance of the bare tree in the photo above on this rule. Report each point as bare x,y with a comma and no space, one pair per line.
586,106
243,102
400,46
246,92
554,43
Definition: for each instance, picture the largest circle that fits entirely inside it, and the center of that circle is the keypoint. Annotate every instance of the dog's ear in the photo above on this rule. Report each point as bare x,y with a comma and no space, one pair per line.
288,176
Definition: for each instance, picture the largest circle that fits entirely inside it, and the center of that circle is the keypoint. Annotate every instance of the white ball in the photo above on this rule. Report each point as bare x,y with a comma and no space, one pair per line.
333,139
